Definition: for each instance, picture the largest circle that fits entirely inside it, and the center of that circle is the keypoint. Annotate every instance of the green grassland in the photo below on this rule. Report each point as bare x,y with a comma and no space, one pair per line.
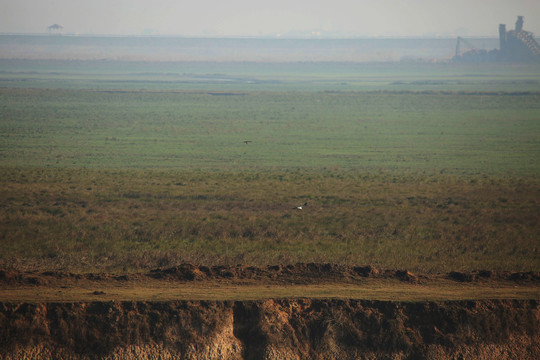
274,76
456,133
430,169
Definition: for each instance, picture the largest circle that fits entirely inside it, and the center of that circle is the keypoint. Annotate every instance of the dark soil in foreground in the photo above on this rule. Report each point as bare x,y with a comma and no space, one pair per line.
287,328
271,329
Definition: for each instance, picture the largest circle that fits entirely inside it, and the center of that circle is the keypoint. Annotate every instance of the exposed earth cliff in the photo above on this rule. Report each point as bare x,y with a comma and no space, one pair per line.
271,329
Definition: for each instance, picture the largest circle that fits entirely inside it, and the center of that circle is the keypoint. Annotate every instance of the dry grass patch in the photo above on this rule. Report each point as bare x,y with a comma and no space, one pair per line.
83,220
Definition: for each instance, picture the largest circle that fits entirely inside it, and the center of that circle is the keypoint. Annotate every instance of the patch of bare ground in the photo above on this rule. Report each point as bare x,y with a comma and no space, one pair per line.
300,311
299,328
301,273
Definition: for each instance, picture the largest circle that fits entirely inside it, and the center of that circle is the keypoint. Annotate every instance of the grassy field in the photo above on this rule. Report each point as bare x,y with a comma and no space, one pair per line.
125,220
484,133
431,170
273,76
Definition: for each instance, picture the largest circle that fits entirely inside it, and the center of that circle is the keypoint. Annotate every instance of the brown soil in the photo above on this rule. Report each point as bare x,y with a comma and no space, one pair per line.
301,273
272,329
269,328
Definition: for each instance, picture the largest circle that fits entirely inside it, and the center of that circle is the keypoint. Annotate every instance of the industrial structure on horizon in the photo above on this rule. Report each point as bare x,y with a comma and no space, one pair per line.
516,45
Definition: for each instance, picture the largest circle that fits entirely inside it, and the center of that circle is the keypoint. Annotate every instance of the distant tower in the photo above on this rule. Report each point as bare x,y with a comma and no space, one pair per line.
518,44
502,38
55,29
519,24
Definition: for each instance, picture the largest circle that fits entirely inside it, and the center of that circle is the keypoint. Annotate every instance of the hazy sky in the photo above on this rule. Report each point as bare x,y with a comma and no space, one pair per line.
356,18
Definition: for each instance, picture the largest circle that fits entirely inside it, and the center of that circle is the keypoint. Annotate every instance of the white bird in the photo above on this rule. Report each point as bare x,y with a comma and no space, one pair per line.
300,207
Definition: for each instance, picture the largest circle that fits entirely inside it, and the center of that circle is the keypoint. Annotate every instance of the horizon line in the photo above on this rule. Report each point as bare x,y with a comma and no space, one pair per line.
256,37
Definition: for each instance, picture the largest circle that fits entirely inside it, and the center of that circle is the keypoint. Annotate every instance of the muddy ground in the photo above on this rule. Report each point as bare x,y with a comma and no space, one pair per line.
269,327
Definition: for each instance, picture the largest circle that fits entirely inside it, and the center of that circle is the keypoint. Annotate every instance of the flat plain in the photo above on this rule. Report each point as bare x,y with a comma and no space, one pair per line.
122,168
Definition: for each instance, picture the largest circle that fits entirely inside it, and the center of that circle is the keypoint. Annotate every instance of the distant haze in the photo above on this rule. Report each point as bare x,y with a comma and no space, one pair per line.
270,18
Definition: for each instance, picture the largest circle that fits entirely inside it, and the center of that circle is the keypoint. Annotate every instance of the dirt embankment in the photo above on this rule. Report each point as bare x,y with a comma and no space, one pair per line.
271,329
301,273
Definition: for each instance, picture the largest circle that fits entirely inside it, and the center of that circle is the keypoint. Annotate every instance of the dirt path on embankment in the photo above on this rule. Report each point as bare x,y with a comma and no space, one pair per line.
302,311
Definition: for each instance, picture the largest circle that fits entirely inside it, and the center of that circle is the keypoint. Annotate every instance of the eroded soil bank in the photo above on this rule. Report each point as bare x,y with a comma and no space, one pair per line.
271,329
300,273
